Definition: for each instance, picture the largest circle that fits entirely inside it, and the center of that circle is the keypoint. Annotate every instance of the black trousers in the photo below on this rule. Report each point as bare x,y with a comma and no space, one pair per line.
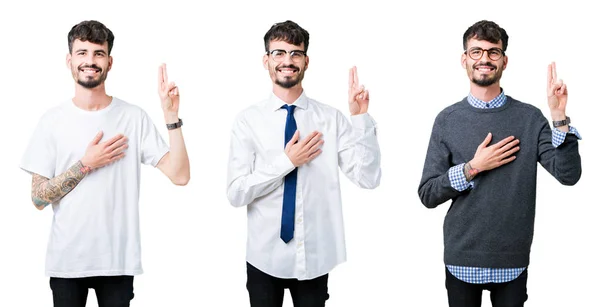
508,294
267,291
111,291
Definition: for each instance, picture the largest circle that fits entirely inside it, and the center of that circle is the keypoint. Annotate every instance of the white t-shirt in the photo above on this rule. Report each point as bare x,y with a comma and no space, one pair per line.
95,230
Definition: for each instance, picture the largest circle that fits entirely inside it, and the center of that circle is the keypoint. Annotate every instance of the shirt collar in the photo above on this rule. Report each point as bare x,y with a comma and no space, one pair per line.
497,102
275,103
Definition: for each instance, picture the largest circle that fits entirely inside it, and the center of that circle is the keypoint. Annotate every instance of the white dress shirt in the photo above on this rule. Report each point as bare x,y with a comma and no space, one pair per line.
256,171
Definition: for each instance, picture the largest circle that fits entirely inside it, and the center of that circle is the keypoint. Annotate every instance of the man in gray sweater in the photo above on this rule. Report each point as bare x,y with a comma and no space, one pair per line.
483,155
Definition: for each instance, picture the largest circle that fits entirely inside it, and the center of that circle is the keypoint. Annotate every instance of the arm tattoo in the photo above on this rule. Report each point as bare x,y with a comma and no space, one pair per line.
469,171
45,191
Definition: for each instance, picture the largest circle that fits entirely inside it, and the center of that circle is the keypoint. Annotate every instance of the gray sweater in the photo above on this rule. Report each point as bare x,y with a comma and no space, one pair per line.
491,225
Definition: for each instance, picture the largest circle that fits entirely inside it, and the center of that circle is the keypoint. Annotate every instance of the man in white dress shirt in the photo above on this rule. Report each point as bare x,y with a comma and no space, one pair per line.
283,165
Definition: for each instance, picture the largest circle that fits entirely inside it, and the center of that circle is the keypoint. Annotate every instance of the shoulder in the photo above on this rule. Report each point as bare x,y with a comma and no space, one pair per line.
50,116
457,107
252,112
524,107
129,108
324,111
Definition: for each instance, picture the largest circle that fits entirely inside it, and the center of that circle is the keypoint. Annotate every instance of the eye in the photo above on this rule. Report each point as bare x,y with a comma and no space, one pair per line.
475,52
278,53
81,53
296,54
495,52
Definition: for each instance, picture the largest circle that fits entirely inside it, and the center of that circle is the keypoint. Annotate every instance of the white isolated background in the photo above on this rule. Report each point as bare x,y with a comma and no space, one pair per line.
408,56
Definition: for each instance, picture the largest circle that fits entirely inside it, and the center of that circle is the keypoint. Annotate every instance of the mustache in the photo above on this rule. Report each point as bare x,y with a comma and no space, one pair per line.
288,66
485,64
94,66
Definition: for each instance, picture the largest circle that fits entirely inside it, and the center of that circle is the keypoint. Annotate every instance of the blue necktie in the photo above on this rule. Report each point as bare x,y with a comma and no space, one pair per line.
288,213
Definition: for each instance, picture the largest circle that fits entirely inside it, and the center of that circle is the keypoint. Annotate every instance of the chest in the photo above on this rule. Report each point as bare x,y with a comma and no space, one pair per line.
268,134
73,134
464,132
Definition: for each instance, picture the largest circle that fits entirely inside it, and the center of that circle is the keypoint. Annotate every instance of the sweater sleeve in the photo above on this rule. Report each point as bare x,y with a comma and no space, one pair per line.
563,162
435,187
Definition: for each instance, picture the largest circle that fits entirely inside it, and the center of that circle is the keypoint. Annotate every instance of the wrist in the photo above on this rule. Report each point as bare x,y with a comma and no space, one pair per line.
84,167
470,170
171,117
558,115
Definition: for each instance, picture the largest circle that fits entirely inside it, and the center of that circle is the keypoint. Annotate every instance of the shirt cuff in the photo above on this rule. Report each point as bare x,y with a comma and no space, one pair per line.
558,137
457,178
362,121
282,165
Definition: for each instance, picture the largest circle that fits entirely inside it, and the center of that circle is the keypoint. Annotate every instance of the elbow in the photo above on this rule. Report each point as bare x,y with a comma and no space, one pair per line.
38,203
429,204
181,181
235,198
234,201
370,183
570,181
426,200
569,177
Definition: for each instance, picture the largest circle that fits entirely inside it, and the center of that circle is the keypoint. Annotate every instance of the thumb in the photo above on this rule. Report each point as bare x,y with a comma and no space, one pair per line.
97,138
293,140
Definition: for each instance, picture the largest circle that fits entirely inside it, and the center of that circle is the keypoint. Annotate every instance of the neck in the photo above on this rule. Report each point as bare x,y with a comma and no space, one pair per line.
485,93
93,99
288,95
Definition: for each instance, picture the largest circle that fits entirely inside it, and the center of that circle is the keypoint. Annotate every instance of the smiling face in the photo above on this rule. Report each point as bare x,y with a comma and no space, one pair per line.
89,63
484,71
287,70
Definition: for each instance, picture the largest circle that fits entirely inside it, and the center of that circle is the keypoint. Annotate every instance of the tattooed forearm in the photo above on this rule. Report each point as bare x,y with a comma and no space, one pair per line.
469,171
45,191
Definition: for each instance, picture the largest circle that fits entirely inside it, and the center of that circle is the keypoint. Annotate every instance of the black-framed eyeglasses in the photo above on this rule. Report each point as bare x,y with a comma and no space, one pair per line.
476,53
279,54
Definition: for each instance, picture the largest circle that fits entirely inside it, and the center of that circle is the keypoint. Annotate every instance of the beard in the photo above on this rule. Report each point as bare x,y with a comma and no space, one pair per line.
88,82
289,82
486,80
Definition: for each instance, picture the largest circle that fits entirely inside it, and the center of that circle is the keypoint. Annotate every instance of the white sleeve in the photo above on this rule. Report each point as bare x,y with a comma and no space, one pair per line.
40,154
154,146
359,157
245,181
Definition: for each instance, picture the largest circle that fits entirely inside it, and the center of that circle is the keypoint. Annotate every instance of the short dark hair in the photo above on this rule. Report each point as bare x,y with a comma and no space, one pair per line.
92,31
487,31
287,31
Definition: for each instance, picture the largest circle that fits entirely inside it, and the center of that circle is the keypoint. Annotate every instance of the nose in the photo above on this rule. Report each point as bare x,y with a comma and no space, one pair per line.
287,59
88,59
485,56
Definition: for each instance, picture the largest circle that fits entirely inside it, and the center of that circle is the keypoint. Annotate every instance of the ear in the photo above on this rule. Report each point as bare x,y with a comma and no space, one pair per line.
110,62
266,61
306,63
505,62
463,61
68,61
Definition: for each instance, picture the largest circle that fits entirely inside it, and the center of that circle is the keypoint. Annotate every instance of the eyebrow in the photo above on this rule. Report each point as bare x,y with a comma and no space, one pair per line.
97,50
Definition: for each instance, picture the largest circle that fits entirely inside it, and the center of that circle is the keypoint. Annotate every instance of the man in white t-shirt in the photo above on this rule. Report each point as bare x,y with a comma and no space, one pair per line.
85,158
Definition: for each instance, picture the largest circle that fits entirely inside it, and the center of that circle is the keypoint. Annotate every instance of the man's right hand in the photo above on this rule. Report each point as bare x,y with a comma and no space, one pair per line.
490,157
305,150
100,154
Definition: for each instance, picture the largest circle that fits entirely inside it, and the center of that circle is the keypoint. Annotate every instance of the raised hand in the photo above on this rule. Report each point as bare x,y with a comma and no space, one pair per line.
305,150
100,154
358,97
557,94
168,92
